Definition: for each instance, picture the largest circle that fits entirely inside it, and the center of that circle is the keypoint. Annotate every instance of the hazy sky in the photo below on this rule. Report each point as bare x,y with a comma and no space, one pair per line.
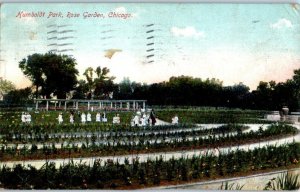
231,42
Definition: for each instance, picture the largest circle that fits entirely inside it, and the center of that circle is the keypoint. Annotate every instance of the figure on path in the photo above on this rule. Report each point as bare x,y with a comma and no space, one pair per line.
116,119
28,118
136,120
71,118
60,118
175,120
89,117
104,119
98,117
152,117
23,117
83,118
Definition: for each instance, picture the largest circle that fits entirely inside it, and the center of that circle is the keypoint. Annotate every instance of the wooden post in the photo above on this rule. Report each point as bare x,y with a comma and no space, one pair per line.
36,105
128,106
55,105
76,105
65,105
144,105
88,105
59,104
111,105
133,105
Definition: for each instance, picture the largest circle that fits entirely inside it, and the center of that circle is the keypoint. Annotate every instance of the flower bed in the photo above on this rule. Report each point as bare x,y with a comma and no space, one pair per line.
142,144
152,172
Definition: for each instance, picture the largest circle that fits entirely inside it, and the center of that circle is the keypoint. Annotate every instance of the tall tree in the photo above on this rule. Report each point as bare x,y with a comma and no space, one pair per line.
102,84
51,73
296,79
32,67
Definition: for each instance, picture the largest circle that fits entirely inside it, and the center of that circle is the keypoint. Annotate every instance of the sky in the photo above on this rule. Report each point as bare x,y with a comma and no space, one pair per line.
234,43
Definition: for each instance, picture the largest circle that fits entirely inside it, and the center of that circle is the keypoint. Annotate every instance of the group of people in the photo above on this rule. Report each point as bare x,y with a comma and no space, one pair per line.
141,118
26,117
85,118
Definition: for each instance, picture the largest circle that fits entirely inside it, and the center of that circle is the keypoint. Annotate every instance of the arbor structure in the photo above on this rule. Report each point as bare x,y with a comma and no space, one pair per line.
51,74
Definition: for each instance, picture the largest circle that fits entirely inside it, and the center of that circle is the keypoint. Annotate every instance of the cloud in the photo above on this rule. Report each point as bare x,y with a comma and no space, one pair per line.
124,11
282,23
187,32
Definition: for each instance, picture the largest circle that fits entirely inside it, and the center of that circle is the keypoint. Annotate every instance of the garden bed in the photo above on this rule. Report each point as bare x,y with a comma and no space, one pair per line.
113,175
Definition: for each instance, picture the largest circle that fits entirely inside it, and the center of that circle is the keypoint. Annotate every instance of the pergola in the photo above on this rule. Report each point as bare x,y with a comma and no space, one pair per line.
58,104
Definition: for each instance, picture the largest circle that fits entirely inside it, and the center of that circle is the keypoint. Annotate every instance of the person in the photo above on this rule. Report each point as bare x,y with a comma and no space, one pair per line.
175,120
71,118
60,118
152,117
83,118
116,119
98,117
104,119
136,120
139,113
89,117
144,120
28,118
23,117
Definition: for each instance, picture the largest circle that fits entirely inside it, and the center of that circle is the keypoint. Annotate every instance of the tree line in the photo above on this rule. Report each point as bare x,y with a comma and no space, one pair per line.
56,76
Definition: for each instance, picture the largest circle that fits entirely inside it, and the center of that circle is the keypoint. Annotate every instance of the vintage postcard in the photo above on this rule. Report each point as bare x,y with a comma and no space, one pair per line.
150,96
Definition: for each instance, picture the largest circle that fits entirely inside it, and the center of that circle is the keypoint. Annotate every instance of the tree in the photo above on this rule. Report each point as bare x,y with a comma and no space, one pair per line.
81,90
126,89
18,96
296,79
50,73
5,87
100,86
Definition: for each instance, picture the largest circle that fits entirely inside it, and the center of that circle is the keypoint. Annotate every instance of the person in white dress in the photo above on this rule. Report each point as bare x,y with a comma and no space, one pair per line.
175,120
144,120
116,119
89,117
23,117
83,118
71,118
104,119
60,118
98,117
136,121
28,118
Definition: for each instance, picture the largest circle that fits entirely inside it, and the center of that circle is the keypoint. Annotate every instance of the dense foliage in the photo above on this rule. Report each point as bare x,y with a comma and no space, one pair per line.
189,91
50,74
